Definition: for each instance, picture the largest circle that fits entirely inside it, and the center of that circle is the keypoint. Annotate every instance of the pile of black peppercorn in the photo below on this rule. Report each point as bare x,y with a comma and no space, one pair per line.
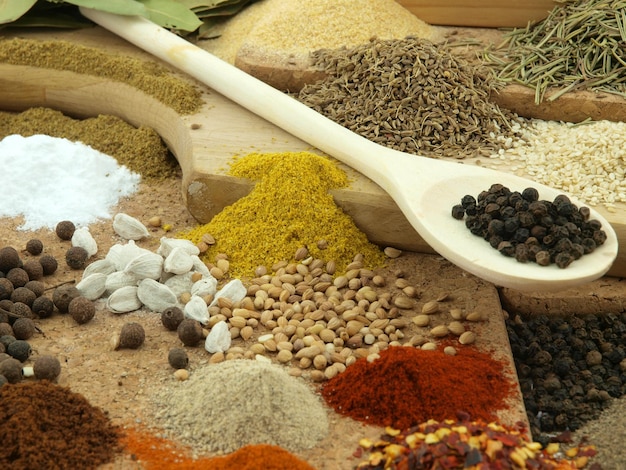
569,368
522,226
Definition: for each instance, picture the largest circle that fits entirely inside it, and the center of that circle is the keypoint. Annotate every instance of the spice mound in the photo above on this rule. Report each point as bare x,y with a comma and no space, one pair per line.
412,96
49,426
225,406
407,386
148,76
467,444
288,208
157,453
520,225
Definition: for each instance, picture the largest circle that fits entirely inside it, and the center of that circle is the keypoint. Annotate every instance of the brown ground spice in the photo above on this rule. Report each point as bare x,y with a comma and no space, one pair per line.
139,149
48,426
147,76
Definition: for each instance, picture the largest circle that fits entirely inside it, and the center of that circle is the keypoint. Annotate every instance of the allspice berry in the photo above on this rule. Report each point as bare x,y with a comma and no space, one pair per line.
18,277
6,288
131,336
189,332
171,317
65,229
34,246
19,349
43,307
20,309
47,368
11,369
5,330
63,295
33,268
36,287
24,295
9,259
81,310
24,328
177,358
49,264
76,257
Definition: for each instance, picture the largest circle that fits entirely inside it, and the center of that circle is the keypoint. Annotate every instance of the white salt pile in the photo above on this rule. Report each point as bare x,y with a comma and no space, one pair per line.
223,407
47,179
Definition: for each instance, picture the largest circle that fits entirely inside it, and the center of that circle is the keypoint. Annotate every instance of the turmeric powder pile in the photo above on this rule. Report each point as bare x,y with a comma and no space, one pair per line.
288,208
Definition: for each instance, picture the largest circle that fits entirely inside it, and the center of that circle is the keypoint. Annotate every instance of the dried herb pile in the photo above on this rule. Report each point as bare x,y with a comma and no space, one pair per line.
580,45
145,75
411,95
140,149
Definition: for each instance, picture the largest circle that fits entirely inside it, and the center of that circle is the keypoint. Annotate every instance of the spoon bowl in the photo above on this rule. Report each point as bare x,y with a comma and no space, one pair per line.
424,189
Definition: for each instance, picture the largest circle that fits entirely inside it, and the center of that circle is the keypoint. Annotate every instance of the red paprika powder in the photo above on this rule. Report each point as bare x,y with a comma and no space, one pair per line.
407,386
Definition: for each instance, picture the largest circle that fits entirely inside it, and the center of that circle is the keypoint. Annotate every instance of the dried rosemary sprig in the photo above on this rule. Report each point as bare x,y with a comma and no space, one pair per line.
411,95
580,45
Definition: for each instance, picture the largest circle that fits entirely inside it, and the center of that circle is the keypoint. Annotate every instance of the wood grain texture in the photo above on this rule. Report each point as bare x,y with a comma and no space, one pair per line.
480,13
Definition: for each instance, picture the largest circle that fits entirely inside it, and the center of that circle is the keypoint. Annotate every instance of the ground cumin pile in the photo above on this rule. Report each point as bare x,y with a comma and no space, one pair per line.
289,208
48,426
147,76
139,149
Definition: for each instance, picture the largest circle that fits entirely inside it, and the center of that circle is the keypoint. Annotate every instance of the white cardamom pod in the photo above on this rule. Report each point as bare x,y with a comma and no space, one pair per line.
197,309
179,283
124,300
200,266
205,286
128,227
233,290
121,254
93,286
178,261
146,266
119,279
168,244
82,238
101,266
155,296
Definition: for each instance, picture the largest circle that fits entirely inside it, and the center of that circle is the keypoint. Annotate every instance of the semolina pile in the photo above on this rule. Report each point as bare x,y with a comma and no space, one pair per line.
288,208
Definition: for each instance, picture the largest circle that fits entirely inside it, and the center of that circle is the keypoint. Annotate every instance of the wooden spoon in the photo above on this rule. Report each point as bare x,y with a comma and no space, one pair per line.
425,189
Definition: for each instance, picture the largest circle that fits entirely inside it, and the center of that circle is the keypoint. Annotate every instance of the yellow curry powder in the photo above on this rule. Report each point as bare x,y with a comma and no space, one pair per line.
288,208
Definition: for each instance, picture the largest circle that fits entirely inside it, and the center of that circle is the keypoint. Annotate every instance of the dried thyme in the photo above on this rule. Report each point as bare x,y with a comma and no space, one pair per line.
411,95
580,45
147,76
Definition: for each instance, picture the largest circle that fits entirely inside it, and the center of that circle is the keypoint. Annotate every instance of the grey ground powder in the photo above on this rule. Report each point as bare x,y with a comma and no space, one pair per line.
223,407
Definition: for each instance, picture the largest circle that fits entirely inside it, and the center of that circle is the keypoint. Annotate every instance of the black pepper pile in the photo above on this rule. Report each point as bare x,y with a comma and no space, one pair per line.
569,368
522,226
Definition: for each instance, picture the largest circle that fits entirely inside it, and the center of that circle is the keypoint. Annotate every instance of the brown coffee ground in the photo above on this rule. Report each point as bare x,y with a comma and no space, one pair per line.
43,425
139,149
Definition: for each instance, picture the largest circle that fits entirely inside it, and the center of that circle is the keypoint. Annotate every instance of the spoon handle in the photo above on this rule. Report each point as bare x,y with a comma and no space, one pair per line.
253,94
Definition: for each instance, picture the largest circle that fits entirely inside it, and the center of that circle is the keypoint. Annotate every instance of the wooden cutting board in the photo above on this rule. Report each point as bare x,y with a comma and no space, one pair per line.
204,143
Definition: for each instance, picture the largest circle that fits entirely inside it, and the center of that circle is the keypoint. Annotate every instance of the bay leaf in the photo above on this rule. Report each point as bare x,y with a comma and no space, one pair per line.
171,14
119,7
11,10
